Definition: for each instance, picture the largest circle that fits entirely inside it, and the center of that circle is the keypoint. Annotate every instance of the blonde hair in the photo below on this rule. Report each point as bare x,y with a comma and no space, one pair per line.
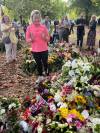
93,16
35,14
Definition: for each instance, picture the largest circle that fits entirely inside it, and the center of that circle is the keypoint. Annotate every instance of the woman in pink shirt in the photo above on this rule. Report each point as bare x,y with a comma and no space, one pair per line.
37,34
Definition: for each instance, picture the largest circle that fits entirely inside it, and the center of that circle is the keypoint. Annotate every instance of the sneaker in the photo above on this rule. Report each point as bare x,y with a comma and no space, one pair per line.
40,79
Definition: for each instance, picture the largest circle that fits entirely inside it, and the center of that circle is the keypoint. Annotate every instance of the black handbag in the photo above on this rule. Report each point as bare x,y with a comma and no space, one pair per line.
6,40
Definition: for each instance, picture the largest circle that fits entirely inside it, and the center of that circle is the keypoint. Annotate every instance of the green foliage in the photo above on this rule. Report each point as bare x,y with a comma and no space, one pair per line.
89,7
47,7
97,128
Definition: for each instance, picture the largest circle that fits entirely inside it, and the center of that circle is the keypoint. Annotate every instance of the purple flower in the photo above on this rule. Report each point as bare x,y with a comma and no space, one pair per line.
88,93
46,91
91,104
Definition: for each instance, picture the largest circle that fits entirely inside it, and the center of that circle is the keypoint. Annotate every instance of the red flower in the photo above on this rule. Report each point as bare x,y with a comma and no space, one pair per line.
34,126
66,90
26,114
27,98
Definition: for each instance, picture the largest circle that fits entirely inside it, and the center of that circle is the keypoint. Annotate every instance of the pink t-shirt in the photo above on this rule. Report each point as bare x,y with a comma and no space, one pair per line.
39,44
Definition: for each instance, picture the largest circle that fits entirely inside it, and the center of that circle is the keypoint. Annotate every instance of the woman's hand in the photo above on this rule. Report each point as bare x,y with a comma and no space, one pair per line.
32,38
44,36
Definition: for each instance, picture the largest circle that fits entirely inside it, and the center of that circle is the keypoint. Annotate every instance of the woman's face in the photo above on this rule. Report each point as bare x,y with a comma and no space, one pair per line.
37,20
94,18
6,19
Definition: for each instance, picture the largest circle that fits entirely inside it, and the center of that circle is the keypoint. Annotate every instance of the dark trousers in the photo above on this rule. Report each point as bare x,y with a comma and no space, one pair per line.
72,29
80,40
41,59
55,37
65,35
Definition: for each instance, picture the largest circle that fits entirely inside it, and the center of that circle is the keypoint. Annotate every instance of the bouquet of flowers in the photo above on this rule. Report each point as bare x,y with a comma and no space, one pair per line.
77,72
9,114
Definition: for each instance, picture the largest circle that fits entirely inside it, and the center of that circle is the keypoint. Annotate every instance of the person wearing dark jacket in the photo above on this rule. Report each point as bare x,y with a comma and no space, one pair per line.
80,23
92,32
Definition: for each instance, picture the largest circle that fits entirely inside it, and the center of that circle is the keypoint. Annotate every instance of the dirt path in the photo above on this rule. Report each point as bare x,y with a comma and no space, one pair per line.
13,82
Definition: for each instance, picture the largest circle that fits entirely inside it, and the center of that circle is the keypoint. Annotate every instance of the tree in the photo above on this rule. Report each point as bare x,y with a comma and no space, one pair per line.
52,8
87,6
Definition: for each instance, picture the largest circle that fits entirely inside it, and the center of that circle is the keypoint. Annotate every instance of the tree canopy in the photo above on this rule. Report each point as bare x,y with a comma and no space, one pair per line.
89,7
52,8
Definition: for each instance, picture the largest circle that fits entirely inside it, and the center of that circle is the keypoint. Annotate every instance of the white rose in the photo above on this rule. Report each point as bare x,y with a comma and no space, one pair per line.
64,105
52,107
95,121
72,73
40,129
52,91
77,71
79,89
24,125
96,93
85,114
48,121
62,125
67,64
2,111
86,68
12,105
59,104
70,82
40,118
84,79
57,97
74,64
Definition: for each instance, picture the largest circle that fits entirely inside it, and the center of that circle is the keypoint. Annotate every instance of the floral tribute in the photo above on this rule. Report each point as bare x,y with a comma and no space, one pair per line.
66,102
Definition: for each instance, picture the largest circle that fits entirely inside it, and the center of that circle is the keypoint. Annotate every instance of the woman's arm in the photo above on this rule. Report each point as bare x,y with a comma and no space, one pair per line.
29,36
5,29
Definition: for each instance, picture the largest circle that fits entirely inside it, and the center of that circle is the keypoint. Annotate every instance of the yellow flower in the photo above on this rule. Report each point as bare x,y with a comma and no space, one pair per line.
80,99
77,114
50,97
64,112
98,107
63,98
50,61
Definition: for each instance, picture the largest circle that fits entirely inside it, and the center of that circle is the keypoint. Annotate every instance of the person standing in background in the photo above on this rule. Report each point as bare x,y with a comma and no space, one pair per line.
92,33
9,39
1,16
43,20
72,26
47,23
61,29
37,34
66,24
56,22
80,23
